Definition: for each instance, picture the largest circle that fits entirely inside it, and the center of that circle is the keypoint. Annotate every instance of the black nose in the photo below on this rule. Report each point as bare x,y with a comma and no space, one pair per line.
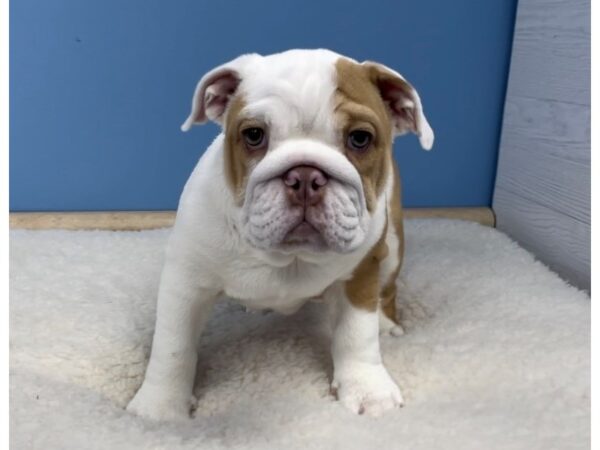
305,185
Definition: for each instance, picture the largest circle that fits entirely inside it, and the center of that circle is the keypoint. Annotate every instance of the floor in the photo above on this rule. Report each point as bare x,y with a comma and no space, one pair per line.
495,354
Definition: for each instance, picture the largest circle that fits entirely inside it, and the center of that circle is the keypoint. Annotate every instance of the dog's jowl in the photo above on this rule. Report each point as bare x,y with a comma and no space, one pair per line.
297,198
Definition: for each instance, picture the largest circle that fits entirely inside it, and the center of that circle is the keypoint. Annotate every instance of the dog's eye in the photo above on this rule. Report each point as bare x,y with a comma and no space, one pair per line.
359,140
254,137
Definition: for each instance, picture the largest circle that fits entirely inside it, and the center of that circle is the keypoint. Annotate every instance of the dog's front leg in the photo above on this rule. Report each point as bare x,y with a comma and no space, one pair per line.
183,308
360,380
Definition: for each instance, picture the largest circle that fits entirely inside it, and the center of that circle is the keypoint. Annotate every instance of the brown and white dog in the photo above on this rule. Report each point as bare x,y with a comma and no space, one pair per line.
297,198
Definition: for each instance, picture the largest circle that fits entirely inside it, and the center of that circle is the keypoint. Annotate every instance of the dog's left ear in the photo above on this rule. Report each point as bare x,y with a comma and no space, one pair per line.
215,90
403,103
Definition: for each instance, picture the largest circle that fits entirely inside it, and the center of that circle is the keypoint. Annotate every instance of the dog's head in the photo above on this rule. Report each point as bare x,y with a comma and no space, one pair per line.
308,143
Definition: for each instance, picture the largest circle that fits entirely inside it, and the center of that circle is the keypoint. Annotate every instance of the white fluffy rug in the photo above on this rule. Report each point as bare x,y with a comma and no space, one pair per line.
496,353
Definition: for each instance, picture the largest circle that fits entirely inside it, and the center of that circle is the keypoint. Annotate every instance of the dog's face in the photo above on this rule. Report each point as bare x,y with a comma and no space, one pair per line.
308,144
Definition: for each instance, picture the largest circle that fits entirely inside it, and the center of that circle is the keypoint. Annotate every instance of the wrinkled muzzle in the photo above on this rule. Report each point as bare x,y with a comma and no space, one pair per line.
305,195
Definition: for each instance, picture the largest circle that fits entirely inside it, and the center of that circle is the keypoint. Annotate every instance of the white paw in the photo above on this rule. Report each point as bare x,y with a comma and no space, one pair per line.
366,389
396,331
159,404
388,326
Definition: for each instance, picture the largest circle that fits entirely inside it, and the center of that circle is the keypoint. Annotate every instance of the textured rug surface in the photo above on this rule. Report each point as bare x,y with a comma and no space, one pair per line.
495,354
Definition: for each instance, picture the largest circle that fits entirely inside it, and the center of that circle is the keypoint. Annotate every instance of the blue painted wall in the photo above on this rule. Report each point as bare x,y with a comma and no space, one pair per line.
100,88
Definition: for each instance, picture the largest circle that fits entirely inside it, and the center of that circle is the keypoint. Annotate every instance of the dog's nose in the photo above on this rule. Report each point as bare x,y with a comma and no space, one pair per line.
305,185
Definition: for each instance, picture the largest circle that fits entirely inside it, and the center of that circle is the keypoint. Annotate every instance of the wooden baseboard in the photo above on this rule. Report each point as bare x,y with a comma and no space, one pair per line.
146,220
98,220
482,215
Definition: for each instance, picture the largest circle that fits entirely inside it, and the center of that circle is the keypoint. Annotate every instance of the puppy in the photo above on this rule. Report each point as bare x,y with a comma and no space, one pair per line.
297,198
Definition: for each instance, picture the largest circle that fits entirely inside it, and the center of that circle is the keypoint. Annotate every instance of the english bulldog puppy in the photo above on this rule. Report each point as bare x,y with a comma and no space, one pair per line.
297,198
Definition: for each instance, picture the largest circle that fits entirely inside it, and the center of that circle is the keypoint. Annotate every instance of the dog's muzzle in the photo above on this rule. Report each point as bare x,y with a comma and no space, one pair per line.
310,199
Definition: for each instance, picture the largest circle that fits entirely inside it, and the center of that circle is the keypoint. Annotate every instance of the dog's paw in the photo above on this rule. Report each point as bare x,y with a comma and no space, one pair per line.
388,326
366,389
160,405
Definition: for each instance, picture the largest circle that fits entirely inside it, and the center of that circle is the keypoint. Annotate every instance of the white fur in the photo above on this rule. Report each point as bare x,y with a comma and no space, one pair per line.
360,380
219,247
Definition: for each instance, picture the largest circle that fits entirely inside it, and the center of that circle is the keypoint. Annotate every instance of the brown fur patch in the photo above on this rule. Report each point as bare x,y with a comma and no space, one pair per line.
358,105
238,159
363,288
388,292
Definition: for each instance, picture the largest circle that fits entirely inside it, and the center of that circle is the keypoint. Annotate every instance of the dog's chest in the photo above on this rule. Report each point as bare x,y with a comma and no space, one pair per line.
283,289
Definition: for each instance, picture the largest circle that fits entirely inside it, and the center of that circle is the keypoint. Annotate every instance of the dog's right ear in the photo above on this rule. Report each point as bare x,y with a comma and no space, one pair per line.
214,91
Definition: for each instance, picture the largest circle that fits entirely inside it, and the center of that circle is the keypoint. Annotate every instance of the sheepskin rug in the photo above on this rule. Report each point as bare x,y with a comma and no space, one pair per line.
495,355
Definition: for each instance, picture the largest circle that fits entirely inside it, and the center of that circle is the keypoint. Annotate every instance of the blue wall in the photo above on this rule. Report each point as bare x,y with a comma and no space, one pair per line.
100,88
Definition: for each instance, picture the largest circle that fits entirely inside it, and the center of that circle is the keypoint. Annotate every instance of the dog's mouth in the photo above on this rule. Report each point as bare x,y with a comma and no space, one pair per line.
304,234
